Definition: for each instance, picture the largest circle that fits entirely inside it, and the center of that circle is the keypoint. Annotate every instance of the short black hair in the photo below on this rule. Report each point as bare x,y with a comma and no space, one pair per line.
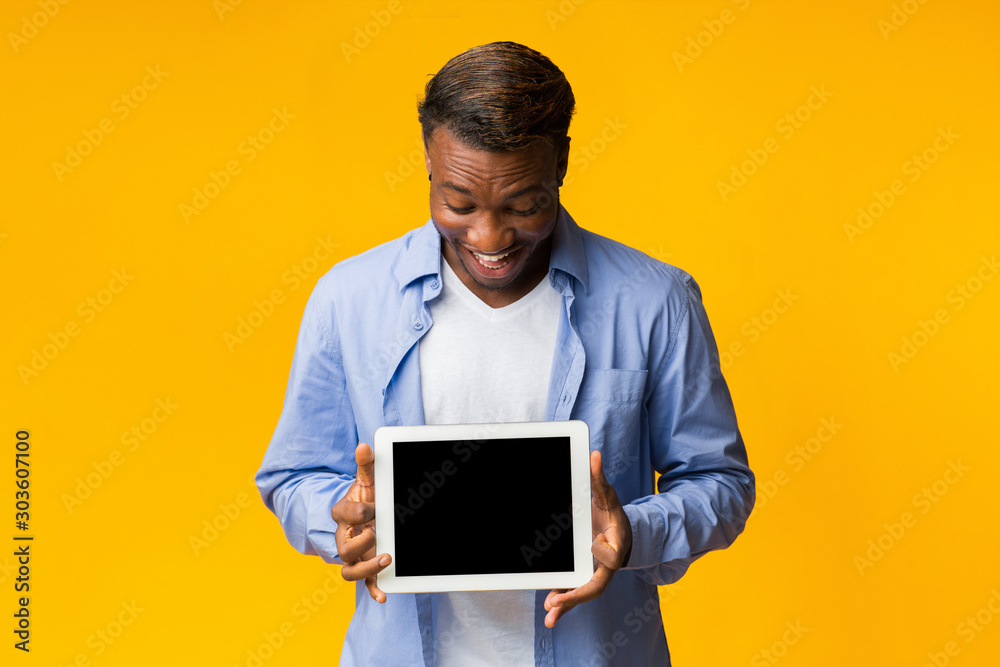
499,97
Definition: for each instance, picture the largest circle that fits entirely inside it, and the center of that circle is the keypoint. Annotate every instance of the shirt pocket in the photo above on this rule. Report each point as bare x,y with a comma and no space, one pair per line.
611,401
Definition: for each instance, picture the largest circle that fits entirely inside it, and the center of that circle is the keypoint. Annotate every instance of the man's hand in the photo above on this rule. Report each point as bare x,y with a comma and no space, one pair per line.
355,517
611,548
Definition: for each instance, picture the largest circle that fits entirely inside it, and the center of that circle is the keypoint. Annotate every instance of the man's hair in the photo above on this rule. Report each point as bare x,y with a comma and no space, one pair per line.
499,97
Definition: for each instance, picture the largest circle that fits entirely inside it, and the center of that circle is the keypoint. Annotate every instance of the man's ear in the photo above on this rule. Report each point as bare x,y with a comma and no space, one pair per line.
427,156
562,162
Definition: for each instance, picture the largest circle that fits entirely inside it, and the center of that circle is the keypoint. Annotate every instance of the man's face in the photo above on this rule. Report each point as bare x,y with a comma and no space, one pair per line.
496,213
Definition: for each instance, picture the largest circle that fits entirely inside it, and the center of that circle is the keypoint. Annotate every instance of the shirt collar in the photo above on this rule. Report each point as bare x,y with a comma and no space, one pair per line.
422,254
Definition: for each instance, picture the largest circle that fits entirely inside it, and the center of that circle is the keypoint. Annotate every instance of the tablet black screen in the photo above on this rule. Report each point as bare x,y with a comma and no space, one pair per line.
482,506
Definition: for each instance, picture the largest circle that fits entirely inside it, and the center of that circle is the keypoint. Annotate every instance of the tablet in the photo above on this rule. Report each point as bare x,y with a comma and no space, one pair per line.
476,507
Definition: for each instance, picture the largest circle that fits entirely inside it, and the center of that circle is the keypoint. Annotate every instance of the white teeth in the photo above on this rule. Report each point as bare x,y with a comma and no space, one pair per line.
492,258
479,259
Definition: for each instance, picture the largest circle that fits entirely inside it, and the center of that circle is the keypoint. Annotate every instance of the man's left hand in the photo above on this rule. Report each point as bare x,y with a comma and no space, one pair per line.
611,548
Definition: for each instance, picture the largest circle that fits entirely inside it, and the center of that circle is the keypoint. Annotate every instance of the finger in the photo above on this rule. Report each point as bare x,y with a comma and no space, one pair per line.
363,569
353,547
553,616
554,612
598,485
589,591
353,513
374,590
548,598
607,554
563,601
365,458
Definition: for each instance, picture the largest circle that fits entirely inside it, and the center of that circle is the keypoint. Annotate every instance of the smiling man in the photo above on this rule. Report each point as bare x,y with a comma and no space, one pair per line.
501,308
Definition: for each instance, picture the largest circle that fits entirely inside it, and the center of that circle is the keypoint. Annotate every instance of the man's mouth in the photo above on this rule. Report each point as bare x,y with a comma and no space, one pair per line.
495,262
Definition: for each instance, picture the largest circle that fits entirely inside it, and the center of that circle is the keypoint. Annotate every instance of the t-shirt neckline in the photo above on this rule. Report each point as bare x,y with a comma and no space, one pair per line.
455,285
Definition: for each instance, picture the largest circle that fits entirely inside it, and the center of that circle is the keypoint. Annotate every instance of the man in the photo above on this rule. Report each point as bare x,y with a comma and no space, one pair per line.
501,308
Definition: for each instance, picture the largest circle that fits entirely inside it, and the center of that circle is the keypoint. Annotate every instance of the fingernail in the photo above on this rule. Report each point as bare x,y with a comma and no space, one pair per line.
383,561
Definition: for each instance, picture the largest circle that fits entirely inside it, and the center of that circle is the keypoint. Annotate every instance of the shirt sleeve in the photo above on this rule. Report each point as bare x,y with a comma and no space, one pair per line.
309,464
706,488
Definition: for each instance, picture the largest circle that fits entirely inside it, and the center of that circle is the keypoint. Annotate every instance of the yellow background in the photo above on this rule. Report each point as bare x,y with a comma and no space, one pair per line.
653,185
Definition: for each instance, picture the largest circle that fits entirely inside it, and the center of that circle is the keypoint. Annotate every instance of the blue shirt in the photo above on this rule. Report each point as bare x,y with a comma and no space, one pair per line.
635,358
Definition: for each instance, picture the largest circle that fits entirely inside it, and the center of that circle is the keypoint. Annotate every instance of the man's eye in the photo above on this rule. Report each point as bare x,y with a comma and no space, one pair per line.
467,209
527,212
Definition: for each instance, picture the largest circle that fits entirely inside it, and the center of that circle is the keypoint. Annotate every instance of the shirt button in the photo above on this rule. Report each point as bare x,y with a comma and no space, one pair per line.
565,398
418,325
434,284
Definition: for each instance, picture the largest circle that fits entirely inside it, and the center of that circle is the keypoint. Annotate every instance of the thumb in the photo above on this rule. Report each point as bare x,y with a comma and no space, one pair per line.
598,485
365,458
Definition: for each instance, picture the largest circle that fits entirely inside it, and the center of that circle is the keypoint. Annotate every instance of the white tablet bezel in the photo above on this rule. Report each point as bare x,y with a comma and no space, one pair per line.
579,435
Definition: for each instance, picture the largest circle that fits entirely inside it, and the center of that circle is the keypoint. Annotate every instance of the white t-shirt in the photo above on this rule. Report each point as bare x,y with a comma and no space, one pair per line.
484,364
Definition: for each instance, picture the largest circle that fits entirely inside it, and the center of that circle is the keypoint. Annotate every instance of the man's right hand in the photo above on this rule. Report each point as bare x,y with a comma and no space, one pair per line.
355,517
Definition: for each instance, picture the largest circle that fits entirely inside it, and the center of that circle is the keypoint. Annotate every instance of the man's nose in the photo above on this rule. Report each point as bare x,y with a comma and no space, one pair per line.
489,234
